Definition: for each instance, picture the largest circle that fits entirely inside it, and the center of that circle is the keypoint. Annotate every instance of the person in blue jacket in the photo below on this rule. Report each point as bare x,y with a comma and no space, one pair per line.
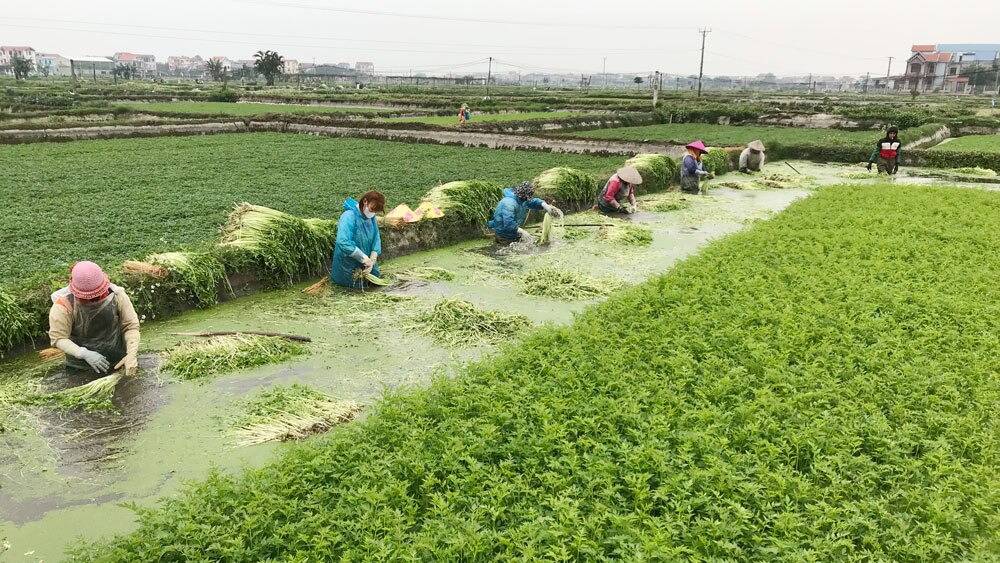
358,241
512,210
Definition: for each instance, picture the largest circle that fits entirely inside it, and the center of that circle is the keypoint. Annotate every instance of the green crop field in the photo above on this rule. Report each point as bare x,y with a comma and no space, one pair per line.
111,200
822,387
732,135
971,143
223,108
453,120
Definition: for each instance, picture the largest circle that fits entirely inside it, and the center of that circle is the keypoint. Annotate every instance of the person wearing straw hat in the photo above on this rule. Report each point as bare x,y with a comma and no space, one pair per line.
692,168
752,157
619,189
513,209
94,323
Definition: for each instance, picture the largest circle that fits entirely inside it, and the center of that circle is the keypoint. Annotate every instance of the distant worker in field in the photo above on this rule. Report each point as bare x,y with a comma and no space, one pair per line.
693,169
512,210
886,153
752,157
620,189
359,244
94,323
464,114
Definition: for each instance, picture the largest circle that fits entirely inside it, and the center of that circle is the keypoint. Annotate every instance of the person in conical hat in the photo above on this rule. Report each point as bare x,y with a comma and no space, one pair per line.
94,323
692,168
619,189
752,157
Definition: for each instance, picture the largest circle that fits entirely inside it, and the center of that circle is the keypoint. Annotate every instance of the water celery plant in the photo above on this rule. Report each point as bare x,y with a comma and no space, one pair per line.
289,412
222,354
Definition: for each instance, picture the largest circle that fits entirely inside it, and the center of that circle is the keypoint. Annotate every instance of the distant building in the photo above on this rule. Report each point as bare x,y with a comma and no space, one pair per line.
51,64
7,54
228,65
364,68
940,67
344,65
91,67
327,70
145,64
292,66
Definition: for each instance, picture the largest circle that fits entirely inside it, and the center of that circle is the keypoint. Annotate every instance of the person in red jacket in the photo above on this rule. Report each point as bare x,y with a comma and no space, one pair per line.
886,153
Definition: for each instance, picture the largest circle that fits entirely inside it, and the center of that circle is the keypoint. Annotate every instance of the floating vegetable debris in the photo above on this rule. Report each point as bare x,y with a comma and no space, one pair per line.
223,354
472,201
282,245
627,234
288,413
426,273
567,285
457,322
664,203
658,171
566,186
198,273
975,171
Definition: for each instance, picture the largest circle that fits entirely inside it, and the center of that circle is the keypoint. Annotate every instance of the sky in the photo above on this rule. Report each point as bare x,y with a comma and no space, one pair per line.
784,37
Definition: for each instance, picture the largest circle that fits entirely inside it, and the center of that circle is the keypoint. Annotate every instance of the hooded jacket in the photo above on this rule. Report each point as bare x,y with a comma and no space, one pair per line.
510,213
357,238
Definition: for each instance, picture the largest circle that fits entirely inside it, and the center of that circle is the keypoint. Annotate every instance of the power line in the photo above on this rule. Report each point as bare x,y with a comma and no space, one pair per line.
536,23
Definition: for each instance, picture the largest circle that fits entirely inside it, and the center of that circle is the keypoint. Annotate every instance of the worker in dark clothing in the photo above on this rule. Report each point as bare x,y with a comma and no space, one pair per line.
886,153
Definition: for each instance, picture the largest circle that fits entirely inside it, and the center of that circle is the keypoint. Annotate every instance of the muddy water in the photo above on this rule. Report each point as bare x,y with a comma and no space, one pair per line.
64,475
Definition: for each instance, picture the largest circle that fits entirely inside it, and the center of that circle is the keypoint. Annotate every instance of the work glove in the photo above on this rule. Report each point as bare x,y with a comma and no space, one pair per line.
895,167
95,360
635,208
869,166
552,210
372,259
711,175
130,363
745,170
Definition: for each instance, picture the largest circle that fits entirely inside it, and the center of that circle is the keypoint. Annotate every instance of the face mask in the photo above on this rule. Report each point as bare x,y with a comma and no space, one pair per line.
368,214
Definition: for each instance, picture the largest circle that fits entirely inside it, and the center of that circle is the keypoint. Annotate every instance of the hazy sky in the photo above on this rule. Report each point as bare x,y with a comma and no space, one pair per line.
784,36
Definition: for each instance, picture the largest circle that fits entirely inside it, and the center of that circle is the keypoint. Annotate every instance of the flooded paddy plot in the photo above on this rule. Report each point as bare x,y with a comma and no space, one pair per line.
67,474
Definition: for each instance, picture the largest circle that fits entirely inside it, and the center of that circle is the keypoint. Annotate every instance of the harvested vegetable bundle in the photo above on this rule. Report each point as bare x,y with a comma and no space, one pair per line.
457,322
361,275
716,160
198,273
567,285
546,237
51,354
222,354
284,246
319,287
144,269
856,175
658,171
427,273
627,234
15,322
472,201
566,186
289,413
93,396
975,171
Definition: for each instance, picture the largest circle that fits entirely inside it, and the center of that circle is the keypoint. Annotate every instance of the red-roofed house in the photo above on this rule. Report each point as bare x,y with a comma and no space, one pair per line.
926,71
145,64
228,65
923,48
8,52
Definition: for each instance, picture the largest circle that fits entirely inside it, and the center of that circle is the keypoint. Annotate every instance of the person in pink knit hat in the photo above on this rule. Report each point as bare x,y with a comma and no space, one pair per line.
94,323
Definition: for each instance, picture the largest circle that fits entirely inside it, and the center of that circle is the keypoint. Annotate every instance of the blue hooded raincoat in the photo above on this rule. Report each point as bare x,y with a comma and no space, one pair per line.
510,213
354,233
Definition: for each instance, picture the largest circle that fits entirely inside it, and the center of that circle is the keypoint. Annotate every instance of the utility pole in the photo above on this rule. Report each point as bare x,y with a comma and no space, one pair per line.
489,75
701,67
867,76
888,71
656,87
604,71
809,86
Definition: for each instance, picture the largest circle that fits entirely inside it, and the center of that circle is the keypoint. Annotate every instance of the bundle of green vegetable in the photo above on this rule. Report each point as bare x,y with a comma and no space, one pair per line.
472,201
716,161
222,354
547,223
457,322
15,322
629,235
857,175
566,186
282,245
197,273
976,171
93,396
288,413
658,171
567,285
